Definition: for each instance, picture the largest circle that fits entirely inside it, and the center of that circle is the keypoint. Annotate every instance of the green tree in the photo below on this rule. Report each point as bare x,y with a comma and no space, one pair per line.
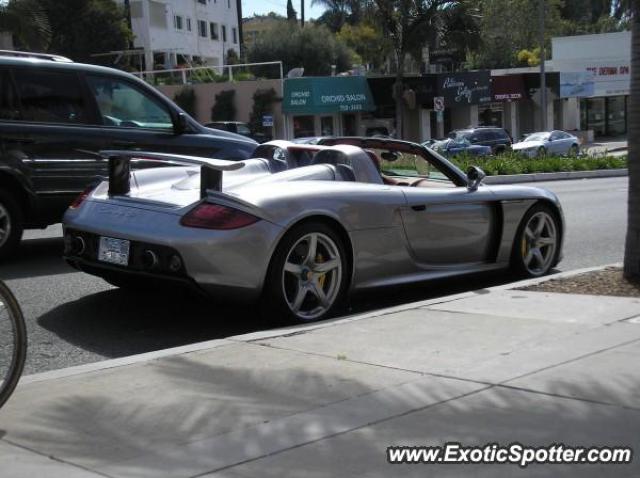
499,46
28,22
409,25
291,13
313,47
632,246
367,41
81,28
224,108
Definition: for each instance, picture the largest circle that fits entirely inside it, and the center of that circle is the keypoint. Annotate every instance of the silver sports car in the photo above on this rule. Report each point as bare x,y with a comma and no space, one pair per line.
302,226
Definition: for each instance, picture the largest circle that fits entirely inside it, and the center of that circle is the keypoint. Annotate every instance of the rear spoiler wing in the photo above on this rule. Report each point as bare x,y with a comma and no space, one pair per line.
120,169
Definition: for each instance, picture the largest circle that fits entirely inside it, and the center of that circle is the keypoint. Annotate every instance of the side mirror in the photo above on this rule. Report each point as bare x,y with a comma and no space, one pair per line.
180,123
475,175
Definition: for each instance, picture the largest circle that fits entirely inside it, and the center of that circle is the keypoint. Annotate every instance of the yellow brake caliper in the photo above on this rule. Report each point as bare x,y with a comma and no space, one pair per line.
322,278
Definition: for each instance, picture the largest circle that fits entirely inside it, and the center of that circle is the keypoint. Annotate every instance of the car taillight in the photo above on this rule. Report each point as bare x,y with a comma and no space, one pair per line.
214,216
81,197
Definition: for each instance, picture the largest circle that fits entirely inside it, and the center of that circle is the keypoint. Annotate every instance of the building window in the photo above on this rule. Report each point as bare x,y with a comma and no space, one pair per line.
234,34
177,22
213,27
188,24
204,2
229,3
202,28
224,33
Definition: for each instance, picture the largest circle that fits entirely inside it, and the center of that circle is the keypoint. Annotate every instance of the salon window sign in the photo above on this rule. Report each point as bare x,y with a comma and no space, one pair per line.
471,88
327,95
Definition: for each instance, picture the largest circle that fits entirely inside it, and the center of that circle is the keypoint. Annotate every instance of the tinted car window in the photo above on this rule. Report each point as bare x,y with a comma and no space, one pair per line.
242,129
122,104
50,96
8,98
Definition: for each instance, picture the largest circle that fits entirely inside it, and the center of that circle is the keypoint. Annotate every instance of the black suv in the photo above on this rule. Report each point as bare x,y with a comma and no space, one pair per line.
497,138
55,115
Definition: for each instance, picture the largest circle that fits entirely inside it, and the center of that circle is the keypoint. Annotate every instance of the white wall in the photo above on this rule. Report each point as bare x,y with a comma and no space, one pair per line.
154,28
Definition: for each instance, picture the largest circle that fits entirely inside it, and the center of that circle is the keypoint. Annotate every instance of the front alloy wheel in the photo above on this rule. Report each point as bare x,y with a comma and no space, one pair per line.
539,242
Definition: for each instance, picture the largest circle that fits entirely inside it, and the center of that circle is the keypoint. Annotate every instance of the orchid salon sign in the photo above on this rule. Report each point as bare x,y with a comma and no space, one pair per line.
471,88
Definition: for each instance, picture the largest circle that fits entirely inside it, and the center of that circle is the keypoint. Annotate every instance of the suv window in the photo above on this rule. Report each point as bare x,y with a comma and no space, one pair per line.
9,109
50,96
122,104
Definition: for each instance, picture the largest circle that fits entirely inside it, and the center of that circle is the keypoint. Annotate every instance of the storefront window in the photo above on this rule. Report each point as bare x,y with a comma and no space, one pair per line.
616,116
349,125
596,116
303,126
490,115
326,126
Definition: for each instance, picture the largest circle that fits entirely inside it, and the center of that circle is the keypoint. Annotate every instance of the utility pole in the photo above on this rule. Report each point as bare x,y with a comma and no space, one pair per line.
543,79
302,13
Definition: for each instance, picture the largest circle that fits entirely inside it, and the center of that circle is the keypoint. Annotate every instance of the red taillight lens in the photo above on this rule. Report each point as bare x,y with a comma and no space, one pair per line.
214,216
81,197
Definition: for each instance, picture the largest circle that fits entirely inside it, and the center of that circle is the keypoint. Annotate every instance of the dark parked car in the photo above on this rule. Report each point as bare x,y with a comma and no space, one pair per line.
239,127
55,115
496,138
452,147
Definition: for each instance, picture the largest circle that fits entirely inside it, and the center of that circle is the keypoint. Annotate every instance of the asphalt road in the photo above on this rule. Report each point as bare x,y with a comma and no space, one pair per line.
74,318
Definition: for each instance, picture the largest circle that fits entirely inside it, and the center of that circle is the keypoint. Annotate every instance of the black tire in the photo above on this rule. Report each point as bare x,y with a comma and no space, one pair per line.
542,152
12,357
275,306
522,245
11,221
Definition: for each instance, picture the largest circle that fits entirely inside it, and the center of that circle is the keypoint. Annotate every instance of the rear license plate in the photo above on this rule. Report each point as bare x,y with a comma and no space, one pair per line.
114,251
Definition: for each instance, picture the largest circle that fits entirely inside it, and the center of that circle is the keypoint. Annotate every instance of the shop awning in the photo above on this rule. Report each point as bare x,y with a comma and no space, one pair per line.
508,88
326,95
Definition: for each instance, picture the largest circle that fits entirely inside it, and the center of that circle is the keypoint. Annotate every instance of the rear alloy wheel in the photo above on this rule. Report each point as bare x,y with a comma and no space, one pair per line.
537,244
10,224
308,274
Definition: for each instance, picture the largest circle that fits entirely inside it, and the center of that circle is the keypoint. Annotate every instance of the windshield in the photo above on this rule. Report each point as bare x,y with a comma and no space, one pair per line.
460,136
537,137
407,165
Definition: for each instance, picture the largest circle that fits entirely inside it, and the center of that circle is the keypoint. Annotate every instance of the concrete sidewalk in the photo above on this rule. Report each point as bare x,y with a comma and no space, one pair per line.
490,366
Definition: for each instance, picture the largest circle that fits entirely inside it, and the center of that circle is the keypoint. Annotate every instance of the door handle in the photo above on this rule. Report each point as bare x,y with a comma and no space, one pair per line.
419,207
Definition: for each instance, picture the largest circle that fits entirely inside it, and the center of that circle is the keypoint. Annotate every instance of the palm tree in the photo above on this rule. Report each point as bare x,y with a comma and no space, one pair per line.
28,22
632,246
409,25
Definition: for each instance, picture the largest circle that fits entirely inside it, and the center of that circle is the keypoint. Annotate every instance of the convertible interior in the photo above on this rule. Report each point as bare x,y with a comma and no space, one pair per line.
350,163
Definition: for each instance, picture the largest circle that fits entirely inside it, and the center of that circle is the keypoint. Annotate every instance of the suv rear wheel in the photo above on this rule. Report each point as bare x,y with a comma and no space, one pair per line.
10,224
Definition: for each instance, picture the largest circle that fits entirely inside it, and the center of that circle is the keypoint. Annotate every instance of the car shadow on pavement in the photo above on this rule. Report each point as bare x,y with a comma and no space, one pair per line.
251,413
117,323
34,258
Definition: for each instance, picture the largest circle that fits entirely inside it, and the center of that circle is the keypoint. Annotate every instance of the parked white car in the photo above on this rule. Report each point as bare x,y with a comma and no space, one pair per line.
548,143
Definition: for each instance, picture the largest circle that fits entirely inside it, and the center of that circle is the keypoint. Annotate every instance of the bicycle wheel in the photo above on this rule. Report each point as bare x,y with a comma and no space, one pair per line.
13,343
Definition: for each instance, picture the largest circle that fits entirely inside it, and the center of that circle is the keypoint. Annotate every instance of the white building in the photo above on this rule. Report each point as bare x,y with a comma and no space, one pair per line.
606,60
174,32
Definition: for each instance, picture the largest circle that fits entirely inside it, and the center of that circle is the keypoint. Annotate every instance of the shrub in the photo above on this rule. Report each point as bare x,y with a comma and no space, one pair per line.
224,108
186,99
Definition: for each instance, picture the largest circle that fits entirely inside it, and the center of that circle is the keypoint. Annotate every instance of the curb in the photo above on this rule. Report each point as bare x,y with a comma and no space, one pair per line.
537,177
286,331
